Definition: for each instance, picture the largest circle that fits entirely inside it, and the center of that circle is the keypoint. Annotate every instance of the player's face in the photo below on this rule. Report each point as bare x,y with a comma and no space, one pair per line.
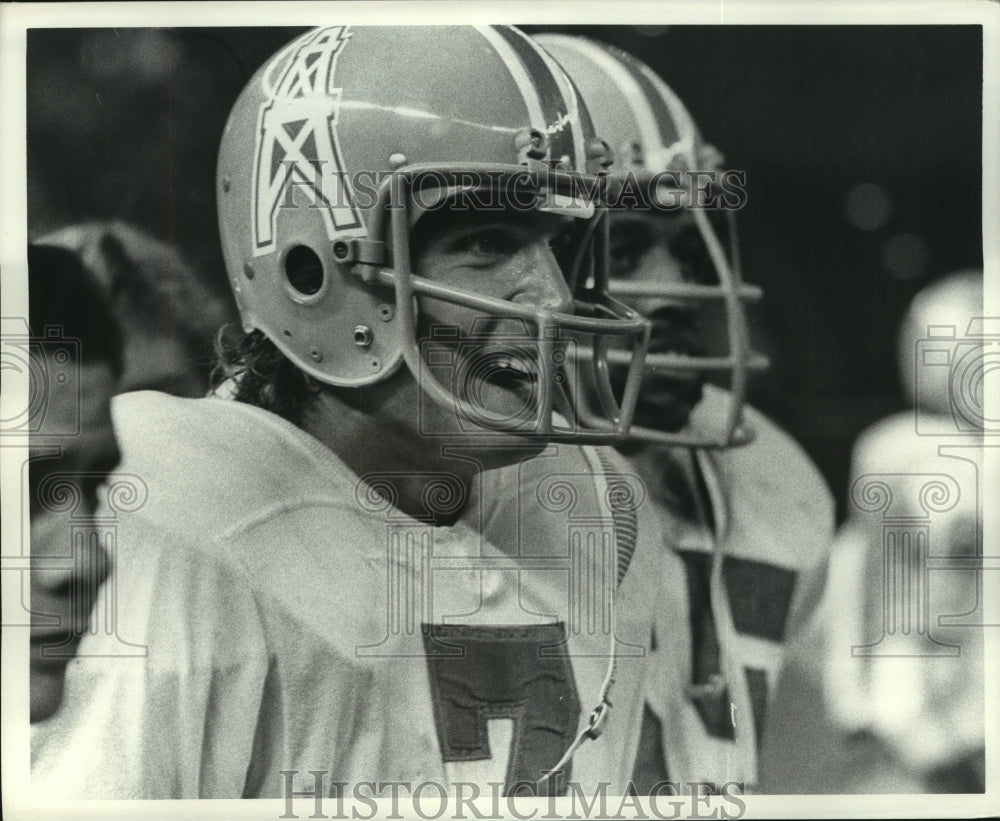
660,249
64,579
509,255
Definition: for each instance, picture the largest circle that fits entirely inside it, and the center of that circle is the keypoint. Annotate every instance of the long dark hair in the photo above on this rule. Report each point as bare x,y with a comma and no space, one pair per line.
261,375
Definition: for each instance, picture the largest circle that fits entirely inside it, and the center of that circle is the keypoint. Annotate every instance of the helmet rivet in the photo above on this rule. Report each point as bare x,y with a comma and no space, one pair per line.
248,270
376,365
609,156
636,156
397,160
226,184
385,312
315,354
362,336
599,150
341,250
532,142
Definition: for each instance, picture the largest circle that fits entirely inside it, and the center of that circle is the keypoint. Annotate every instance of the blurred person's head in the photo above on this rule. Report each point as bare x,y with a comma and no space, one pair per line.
935,324
75,365
168,316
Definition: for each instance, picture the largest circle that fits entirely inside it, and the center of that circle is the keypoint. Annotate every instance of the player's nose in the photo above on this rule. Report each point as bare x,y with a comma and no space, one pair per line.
79,571
540,282
66,580
661,265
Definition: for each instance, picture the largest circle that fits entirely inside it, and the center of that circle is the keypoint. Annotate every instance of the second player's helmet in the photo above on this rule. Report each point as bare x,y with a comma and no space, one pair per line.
321,164
655,140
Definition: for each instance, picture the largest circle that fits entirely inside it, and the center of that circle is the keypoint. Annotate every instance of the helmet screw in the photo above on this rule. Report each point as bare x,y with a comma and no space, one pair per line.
532,142
315,354
636,154
385,312
341,251
397,160
248,270
362,336
599,150
226,184
376,365
609,156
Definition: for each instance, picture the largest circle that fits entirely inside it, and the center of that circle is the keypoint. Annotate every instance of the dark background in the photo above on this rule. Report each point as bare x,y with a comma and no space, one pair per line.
125,124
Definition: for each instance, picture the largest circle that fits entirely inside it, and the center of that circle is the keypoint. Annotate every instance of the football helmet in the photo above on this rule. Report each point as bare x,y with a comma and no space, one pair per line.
656,146
338,145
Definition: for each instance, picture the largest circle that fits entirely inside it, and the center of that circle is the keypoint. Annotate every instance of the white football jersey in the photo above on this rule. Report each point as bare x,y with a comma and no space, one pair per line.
269,612
752,525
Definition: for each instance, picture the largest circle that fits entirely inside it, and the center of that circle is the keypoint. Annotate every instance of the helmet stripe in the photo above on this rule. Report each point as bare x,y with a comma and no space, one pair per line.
570,99
674,110
575,103
661,114
519,74
621,78
557,114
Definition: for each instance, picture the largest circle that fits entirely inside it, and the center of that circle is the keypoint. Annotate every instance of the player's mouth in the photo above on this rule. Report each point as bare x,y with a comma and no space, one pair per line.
675,333
666,403
503,384
675,330
513,371
516,374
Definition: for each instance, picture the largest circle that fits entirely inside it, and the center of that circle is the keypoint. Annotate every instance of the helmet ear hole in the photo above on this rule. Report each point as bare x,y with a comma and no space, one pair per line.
304,270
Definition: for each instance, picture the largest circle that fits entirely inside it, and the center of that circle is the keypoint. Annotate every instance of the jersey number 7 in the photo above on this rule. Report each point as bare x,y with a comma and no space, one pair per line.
517,672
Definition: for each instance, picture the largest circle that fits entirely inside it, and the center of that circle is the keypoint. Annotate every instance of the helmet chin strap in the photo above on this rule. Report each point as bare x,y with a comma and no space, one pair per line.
625,528
730,663
595,723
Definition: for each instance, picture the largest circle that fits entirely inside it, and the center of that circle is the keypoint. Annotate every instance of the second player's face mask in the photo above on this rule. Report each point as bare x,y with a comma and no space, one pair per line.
673,244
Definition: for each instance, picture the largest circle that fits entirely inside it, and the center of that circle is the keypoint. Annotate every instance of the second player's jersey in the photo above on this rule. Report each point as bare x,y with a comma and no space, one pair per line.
269,612
753,526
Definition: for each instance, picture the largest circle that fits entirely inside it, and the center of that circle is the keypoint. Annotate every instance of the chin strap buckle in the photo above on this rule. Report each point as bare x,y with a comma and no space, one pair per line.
597,719
713,688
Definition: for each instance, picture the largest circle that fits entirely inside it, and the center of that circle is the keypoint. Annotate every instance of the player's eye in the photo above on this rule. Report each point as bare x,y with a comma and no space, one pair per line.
622,258
563,246
629,242
688,248
561,242
486,245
